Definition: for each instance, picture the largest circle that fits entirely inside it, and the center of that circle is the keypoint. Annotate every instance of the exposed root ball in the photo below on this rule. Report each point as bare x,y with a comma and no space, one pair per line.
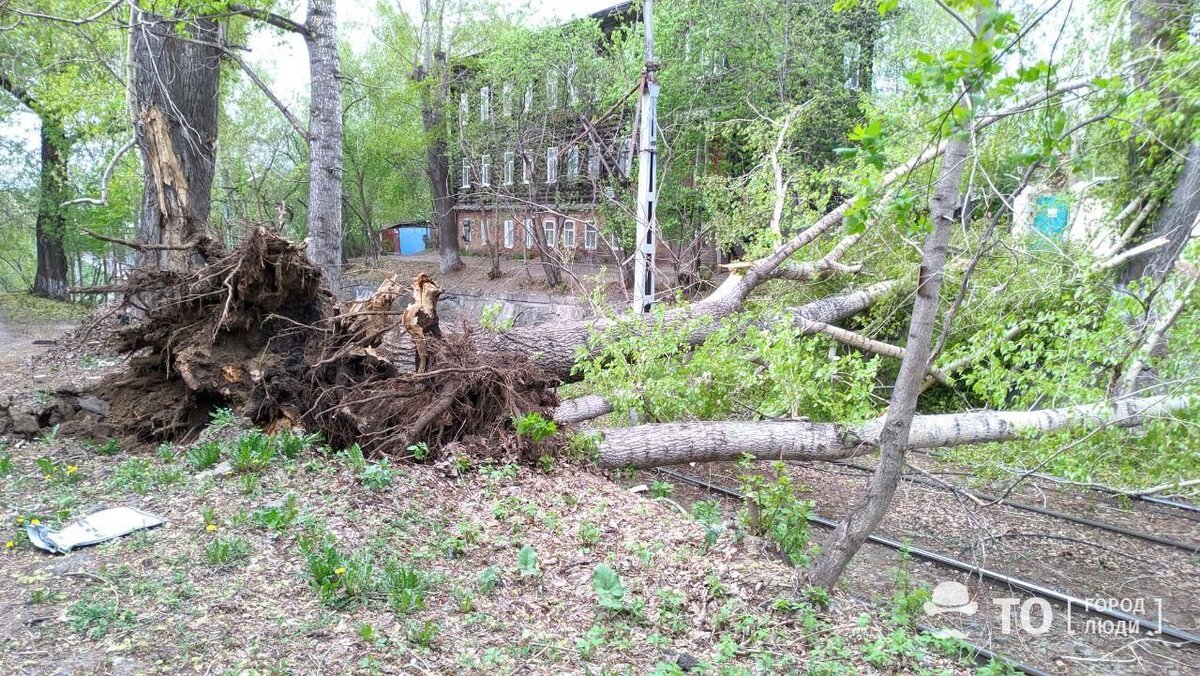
258,331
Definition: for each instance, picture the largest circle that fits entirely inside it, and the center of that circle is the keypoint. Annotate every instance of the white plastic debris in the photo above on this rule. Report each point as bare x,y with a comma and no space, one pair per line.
94,528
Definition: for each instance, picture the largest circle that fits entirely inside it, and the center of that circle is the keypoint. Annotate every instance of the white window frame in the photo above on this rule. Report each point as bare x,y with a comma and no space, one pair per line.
485,170
593,161
509,164
627,157
508,233
551,89
573,164
464,109
591,235
466,173
552,164
466,231
568,234
572,90
506,99
528,102
483,232
851,64
528,224
485,104
549,230
526,170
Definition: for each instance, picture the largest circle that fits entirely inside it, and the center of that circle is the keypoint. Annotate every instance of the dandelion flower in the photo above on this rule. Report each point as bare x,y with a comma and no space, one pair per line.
20,520
35,522
46,477
212,528
340,571
71,469
10,544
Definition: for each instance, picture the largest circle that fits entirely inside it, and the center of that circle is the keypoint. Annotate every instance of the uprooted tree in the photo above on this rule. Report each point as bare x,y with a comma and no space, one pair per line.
1002,354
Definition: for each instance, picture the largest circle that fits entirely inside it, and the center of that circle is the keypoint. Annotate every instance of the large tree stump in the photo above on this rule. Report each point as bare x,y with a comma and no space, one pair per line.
421,318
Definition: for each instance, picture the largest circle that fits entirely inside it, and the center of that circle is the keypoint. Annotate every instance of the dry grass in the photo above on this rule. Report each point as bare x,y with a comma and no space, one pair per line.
170,608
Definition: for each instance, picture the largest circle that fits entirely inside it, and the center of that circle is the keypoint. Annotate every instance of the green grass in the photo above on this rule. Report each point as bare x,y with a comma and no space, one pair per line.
223,552
21,306
95,618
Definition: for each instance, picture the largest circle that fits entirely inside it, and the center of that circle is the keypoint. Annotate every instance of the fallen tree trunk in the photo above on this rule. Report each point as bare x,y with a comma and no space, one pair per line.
580,409
660,444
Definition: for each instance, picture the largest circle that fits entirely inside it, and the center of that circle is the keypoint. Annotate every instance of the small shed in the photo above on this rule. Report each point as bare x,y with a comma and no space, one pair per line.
405,238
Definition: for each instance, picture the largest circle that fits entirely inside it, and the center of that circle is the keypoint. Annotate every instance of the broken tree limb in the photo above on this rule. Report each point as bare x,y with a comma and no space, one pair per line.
659,444
963,362
1118,260
582,408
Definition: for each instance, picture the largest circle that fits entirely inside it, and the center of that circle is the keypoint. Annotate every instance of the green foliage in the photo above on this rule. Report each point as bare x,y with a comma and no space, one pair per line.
780,514
222,418
651,368
276,518
290,444
419,451
661,489
405,588
96,618
134,475
589,533
204,456
108,448
377,475
6,465
353,455
610,592
534,426
492,318
224,552
251,452
489,578
422,634
527,563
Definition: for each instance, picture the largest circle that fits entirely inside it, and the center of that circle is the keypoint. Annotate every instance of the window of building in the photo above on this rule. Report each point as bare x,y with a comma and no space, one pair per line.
569,234
508,234
509,162
526,170
466,231
528,105
549,227
572,91
506,100
851,64
552,165
528,233
466,173
485,170
485,104
593,161
552,89
590,235
483,232
464,109
573,164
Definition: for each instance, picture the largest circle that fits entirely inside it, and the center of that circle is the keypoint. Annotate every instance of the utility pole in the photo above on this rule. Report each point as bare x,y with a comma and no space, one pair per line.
643,256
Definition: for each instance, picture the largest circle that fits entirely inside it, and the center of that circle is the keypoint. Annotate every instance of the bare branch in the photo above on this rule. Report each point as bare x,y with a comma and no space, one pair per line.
105,179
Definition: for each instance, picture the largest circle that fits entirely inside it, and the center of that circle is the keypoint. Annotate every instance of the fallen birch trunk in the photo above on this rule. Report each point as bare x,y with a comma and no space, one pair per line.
661,444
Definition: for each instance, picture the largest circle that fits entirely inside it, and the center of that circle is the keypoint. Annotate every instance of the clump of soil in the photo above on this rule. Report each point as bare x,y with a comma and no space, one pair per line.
257,330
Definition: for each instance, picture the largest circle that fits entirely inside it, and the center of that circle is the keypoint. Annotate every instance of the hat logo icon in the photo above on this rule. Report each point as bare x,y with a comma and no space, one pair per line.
951,597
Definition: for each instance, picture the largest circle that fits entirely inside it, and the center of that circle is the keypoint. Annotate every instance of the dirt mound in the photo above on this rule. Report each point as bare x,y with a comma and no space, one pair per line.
257,331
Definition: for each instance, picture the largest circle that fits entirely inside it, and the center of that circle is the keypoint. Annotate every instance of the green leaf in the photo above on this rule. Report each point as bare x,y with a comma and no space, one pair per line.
609,589
527,562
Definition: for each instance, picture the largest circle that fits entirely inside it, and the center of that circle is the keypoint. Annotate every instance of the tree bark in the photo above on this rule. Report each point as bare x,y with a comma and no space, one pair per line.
175,84
434,72
51,277
660,444
1174,223
324,142
869,509
555,346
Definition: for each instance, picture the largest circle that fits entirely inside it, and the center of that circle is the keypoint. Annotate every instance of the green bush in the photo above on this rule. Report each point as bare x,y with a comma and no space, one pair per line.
251,452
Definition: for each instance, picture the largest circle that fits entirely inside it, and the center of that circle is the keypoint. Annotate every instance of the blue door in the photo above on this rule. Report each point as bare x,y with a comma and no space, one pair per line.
1051,217
412,240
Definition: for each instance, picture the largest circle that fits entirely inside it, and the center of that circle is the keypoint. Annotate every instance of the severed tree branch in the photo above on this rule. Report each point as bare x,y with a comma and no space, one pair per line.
105,179
271,18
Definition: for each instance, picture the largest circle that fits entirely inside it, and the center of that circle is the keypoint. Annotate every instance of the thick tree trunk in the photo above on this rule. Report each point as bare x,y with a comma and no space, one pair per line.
324,143
438,170
583,408
869,509
175,85
51,277
1174,222
554,346
660,444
